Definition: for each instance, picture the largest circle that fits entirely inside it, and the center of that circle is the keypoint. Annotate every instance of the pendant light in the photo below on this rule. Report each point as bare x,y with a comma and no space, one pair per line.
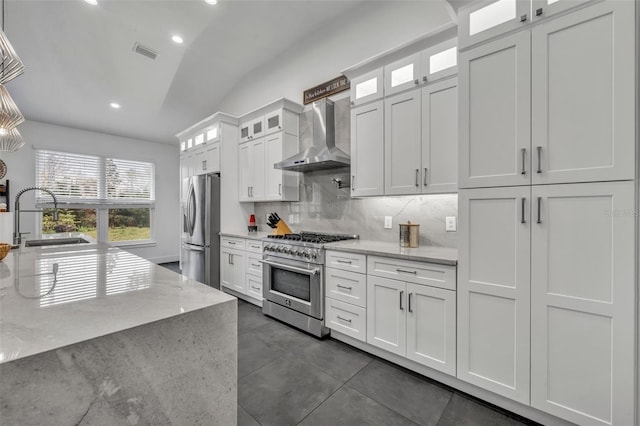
10,115
10,140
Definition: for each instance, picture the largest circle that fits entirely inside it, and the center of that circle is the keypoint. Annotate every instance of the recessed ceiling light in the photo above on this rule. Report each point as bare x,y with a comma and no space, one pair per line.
114,105
211,1
92,2
177,39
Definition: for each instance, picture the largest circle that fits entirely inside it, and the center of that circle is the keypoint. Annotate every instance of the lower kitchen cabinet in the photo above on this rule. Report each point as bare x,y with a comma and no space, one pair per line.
414,321
346,318
431,327
232,269
254,286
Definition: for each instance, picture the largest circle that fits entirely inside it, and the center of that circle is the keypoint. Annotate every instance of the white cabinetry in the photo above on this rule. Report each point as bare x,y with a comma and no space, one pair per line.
241,269
582,311
367,149
493,289
407,317
259,180
251,166
367,87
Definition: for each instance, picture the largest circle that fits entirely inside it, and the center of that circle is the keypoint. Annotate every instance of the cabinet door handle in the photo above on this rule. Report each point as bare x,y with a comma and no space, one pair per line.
424,78
524,161
539,150
409,303
523,219
417,177
407,272
523,18
248,195
401,294
416,81
343,319
204,164
353,181
230,259
279,189
344,286
539,203
539,12
425,176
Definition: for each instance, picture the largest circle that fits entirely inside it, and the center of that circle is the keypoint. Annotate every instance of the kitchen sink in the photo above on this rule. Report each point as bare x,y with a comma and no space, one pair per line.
55,242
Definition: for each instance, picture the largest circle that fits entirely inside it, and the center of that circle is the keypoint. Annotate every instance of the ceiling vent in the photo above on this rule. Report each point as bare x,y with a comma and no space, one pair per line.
145,51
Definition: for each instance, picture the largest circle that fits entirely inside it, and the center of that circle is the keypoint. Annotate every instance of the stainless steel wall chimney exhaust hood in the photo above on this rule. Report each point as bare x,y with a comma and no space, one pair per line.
323,154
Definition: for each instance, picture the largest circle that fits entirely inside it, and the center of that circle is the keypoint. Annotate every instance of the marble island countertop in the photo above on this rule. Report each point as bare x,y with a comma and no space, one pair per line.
98,290
431,254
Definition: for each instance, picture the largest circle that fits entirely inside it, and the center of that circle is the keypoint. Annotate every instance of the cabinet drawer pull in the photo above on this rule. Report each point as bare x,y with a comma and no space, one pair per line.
232,242
523,219
539,149
343,261
416,81
344,286
401,294
255,288
424,78
417,177
407,272
343,319
409,302
523,18
539,12
524,159
539,202
255,266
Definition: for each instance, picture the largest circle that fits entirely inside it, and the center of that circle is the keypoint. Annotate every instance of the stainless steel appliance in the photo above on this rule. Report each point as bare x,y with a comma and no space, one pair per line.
293,279
200,251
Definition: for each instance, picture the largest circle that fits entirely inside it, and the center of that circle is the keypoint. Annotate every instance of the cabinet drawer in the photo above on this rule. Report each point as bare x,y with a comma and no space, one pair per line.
254,246
234,243
347,319
442,276
347,261
347,286
253,265
254,286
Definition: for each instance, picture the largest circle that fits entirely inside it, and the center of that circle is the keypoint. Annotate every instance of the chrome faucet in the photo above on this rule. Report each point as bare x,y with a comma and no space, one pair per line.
17,236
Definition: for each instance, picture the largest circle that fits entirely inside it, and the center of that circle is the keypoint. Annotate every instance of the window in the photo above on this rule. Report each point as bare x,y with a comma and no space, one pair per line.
109,199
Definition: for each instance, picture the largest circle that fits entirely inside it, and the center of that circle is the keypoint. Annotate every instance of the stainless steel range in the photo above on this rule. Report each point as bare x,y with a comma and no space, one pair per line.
293,278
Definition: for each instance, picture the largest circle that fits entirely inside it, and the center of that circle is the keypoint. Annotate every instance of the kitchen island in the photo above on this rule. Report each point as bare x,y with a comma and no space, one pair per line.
118,340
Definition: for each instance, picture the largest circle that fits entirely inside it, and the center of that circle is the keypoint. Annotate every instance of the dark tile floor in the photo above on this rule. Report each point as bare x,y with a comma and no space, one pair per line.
286,377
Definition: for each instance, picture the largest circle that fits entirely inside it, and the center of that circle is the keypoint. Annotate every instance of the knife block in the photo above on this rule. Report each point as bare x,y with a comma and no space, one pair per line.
282,228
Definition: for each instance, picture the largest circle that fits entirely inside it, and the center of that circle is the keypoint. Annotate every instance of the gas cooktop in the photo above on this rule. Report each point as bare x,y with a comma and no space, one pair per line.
312,237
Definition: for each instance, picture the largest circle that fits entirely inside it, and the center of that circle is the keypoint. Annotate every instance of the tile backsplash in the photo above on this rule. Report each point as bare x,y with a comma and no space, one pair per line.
323,207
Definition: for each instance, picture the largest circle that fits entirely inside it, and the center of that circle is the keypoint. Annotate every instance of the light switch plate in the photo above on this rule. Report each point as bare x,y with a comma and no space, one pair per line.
388,222
450,224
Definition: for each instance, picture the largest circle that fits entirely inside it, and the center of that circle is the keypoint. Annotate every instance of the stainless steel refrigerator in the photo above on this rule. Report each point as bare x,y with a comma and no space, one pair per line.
200,251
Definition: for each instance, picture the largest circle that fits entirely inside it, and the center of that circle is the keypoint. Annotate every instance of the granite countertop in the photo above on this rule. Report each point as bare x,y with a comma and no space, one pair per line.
99,290
244,234
431,254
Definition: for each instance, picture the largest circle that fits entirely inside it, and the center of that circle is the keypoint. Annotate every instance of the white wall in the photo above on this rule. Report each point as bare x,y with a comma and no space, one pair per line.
21,173
365,31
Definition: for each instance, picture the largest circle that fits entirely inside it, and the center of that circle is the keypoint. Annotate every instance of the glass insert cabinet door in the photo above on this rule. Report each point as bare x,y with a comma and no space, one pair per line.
488,18
368,87
403,74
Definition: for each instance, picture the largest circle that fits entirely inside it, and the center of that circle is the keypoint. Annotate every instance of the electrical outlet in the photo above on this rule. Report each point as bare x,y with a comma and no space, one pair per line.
388,222
450,224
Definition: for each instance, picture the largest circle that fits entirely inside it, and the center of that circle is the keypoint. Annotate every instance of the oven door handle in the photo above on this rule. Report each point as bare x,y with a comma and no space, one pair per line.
314,271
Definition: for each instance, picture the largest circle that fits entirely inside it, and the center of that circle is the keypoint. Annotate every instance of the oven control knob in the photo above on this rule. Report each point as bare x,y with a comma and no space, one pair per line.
306,254
314,255
297,253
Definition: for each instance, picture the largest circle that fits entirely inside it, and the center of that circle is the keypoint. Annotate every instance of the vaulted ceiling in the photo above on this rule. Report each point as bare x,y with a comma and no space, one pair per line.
79,57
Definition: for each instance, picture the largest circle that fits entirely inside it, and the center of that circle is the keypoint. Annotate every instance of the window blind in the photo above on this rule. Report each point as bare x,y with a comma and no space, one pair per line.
89,179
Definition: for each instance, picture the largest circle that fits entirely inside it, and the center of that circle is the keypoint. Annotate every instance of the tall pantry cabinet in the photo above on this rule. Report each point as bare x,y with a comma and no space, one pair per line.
547,169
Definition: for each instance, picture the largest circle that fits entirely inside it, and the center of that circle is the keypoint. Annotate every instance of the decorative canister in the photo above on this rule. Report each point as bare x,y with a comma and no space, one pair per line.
409,235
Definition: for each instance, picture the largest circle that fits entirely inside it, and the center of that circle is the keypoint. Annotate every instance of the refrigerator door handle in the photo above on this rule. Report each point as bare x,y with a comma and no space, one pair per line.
192,248
191,209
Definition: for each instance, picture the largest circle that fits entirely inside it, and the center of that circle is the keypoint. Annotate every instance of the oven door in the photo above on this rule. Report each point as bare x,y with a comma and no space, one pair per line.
296,285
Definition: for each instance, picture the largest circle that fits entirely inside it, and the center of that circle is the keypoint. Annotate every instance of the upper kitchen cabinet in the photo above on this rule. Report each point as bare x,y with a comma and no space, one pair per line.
551,104
367,87
494,113
545,8
486,19
278,123
252,129
367,149
402,75
440,61
583,97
